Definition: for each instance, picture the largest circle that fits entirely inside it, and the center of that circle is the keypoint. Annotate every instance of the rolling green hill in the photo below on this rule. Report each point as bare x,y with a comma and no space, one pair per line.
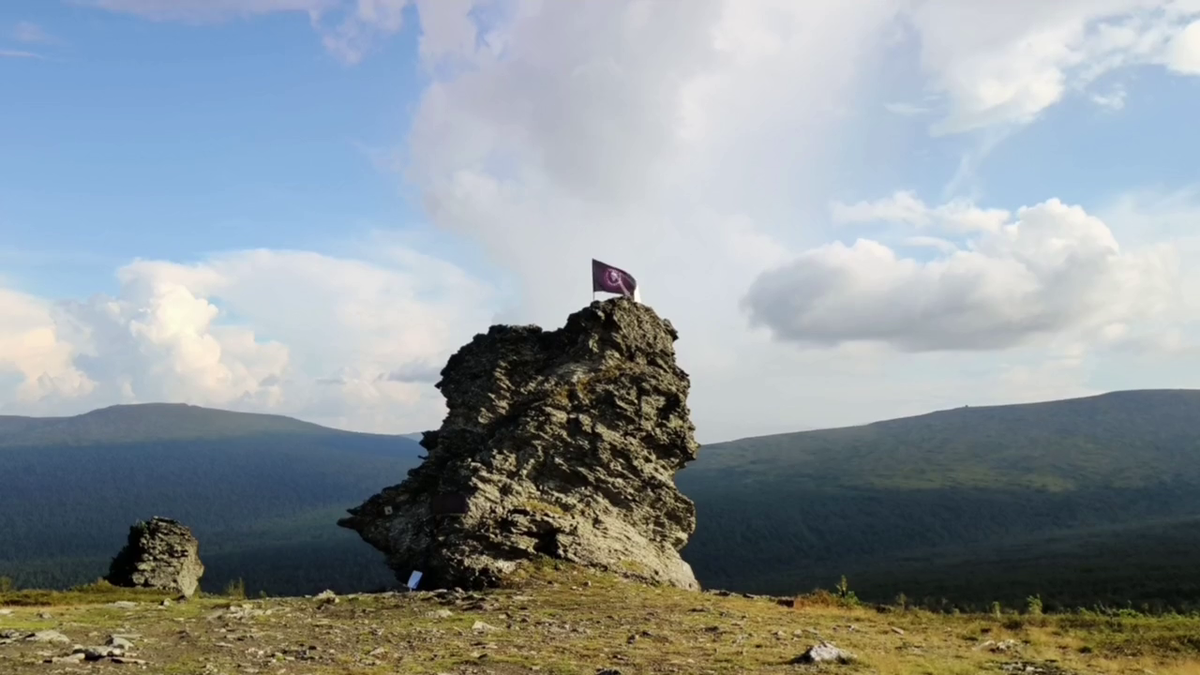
1085,501
261,492
972,504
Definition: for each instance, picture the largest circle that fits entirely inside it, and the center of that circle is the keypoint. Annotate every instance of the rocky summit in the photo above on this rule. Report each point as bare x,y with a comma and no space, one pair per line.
558,443
160,554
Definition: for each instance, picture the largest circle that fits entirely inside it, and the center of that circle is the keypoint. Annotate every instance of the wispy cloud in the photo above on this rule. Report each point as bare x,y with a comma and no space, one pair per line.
12,256
30,33
207,10
905,109
18,54
1114,100
423,370
349,29
363,26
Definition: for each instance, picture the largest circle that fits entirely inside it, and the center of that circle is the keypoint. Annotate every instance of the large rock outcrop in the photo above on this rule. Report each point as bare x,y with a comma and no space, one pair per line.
160,554
561,443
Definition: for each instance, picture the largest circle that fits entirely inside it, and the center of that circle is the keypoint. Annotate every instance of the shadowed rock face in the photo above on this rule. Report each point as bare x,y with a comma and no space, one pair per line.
160,554
562,443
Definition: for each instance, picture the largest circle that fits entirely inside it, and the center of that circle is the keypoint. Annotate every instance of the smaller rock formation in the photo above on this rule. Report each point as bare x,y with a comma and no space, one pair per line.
160,554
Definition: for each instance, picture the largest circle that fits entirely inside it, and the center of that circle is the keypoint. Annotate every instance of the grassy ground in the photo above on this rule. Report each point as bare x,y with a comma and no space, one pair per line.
573,622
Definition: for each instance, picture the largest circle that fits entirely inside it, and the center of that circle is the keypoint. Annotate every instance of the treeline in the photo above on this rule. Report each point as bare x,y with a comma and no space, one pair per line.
1082,502
265,508
72,501
748,533
951,548
343,565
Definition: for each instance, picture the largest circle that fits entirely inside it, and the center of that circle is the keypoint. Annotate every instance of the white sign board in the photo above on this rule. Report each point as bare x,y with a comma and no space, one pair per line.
413,580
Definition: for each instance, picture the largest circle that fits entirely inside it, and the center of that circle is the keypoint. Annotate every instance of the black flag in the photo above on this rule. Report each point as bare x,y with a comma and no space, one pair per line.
611,279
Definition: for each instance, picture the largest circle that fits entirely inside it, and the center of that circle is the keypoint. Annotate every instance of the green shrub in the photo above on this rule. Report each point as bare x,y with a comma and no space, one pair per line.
819,598
844,593
1033,605
1014,623
236,589
6,584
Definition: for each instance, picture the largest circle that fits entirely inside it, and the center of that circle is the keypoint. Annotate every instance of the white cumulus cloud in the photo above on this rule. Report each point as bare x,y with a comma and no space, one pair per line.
904,207
673,139
697,144
284,331
1183,52
1054,270
31,349
1005,63
685,141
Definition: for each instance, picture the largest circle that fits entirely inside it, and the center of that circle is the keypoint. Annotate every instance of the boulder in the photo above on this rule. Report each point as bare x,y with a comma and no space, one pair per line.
159,554
48,636
824,652
561,444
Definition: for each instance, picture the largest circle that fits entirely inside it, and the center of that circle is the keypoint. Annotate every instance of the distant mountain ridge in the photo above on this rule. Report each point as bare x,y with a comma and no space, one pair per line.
1117,439
147,422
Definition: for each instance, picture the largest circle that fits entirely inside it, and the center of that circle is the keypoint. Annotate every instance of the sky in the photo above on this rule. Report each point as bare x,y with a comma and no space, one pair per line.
851,210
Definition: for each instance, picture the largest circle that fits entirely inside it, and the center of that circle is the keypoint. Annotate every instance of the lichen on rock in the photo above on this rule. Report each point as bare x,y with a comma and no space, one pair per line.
556,443
161,554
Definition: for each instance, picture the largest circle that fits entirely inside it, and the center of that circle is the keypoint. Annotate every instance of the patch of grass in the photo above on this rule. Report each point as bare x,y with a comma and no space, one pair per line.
98,592
823,599
567,620
633,567
1135,635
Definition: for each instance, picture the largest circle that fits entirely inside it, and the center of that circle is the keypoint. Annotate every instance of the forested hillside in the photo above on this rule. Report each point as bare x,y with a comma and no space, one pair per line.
262,493
1081,501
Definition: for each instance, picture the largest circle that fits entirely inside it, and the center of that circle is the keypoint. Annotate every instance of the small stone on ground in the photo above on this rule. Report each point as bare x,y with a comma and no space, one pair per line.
824,652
